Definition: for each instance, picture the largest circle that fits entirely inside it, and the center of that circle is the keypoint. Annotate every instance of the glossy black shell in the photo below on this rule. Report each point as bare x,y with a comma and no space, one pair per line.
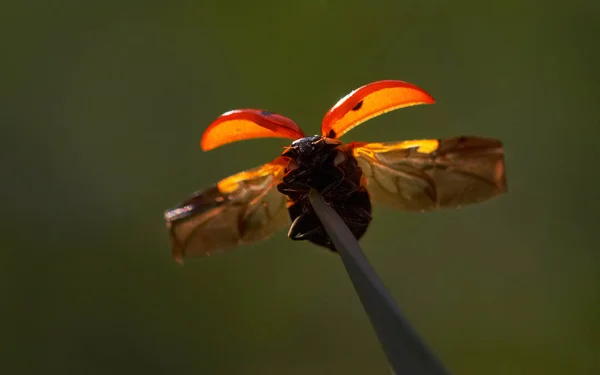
317,162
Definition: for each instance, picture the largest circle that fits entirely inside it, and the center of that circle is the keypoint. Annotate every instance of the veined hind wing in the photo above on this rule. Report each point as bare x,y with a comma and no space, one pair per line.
430,174
240,209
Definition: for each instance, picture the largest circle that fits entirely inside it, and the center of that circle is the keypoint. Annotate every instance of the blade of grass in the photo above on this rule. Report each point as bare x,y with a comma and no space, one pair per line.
405,351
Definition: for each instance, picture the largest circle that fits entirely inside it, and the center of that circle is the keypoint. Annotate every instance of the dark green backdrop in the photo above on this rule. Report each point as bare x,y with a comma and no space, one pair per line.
103,104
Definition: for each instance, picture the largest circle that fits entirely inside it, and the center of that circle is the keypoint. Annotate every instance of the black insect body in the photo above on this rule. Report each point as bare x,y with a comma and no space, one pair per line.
317,162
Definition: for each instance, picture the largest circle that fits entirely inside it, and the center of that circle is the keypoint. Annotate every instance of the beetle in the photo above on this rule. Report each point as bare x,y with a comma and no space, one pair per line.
415,175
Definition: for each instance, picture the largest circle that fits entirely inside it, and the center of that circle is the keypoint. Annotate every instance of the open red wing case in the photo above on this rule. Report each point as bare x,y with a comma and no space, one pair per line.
369,101
242,124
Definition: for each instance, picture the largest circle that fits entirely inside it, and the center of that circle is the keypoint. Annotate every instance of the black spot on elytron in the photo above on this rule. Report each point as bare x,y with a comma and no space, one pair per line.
331,134
266,113
357,106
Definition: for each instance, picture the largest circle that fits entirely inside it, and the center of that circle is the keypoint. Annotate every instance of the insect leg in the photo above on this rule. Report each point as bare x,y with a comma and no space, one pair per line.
304,227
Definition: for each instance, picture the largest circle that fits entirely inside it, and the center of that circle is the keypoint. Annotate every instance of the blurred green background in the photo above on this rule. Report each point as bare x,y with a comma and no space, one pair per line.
103,105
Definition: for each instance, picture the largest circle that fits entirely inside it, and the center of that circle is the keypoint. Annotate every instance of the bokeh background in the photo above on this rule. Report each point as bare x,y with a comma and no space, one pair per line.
103,104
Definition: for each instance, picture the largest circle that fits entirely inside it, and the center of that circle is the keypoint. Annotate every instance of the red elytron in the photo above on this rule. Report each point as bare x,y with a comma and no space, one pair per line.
417,175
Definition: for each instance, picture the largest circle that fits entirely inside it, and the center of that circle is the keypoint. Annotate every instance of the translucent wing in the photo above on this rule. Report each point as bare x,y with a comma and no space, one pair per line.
240,209
430,174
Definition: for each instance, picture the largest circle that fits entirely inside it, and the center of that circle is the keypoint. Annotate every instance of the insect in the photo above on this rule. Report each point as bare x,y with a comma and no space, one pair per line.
417,175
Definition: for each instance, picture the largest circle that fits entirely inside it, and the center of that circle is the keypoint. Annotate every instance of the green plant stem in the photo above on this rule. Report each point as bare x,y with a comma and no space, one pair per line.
405,351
